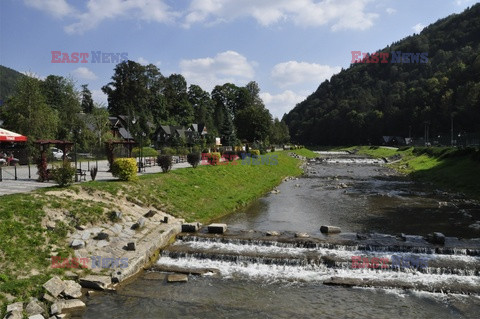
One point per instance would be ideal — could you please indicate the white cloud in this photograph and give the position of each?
(228, 66)
(84, 73)
(99, 10)
(57, 8)
(99, 97)
(282, 103)
(142, 61)
(391, 10)
(293, 73)
(418, 28)
(463, 2)
(341, 14)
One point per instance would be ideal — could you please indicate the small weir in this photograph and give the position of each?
(370, 262)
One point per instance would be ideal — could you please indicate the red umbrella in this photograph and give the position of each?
(8, 136)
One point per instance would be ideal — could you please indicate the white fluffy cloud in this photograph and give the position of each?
(390, 10)
(99, 10)
(294, 73)
(57, 8)
(142, 61)
(228, 66)
(418, 28)
(340, 14)
(282, 103)
(99, 97)
(84, 73)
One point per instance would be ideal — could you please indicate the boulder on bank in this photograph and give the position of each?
(34, 307)
(96, 282)
(272, 233)
(64, 306)
(217, 228)
(177, 278)
(330, 229)
(436, 238)
(190, 227)
(54, 286)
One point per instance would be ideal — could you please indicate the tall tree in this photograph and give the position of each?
(61, 95)
(27, 112)
(87, 101)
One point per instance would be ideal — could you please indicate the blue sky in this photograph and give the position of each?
(288, 46)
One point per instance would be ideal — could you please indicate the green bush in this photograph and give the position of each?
(63, 175)
(193, 159)
(182, 151)
(255, 153)
(213, 158)
(146, 152)
(168, 151)
(125, 169)
(165, 162)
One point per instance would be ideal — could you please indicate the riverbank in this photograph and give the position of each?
(38, 225)
(452, 169)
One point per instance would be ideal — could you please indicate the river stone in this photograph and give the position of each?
(77, 244)
(95, 282)
(130, 246)
(330, 229)
(272, 233)
(17, 306)
(302, 235)
(102, 236)
(54, 286)
(436, 238)
(150, 213)
(38, 316)
(72, 289)
(34, 307)
(217, 228)
(177, 278)
(66, 306)
(189, 227)
(139, 224)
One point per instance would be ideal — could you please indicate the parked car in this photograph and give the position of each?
(57, 153)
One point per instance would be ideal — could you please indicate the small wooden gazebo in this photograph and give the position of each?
(44, 145)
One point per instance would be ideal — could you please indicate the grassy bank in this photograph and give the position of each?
(206, 192)
(452, 169)
(200, 194)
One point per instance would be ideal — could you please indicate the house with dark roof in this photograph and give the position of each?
(167, 135)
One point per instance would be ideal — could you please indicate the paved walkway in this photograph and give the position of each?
(26, 183)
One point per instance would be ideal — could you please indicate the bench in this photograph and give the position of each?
(81, 173)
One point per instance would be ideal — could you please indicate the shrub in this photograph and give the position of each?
(165, 162)
(168, 151)
(193, 159)
(213, 158)
(63, 175)
(182, 151)
(146, 152)
(272, 149)
(125, 169)
(255, 153)
(93, 172)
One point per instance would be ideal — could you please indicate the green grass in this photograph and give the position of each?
(200, 194)
(305, 152)
(206, 192)
(452, 169)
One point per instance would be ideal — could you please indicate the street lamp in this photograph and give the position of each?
(75, 137)
(134, 120)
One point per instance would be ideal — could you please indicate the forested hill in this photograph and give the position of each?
(368, 100)
(8, 81)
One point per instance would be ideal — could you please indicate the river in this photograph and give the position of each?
(248, 275)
